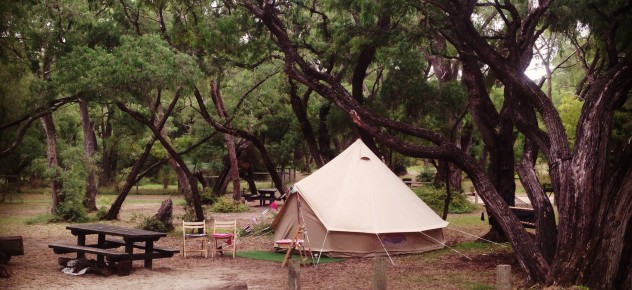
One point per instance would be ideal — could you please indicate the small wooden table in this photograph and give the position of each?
(132, 238)
(267, 194)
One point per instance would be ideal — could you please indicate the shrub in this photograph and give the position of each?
(435, 199)
(400, 169)
(103, 210)
(153, 224)
(189, 215)
(226, 205)
(207, 196)
(426, 174)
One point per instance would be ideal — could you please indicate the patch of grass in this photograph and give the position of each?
(40, 219)
(147, 189)
(482, 287)
(278, 257)
(468, 221)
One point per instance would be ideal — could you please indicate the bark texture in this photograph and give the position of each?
(228, 138)
(51, 158)
(89, 142)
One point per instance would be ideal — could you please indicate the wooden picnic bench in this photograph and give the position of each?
(105, 247)
(266, 194)
(525, 215)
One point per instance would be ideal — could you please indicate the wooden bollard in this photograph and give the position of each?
(294, 275)
(379, 273)
(503, 277)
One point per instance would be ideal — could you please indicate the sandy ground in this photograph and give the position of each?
(38, 268)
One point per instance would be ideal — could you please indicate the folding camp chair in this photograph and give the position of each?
(194, 231)
(224, 233)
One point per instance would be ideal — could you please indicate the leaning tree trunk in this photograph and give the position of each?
(53, 164)
(299, 106)
(184, 186)
(230, 142)
(267, 160)
(195, 193)
(131, 180)
(324, 138)
(89, 141)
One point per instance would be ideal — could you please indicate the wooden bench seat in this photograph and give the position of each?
(60, 248)
(165, 252)
(525, 215)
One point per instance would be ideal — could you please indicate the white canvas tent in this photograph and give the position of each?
(355, 206)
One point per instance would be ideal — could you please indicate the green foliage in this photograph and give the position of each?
(153, 224)
(426, 174)
(207, 196)
(225, 205)
(103, 210)
(435, 199)
(73, 178)
(570, 109)
(189, 215)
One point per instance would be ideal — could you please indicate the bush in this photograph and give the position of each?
(226, 205)
(70, 212)
(189, 215)
(435, 199)
(400, 169)
(153, 224)
(150, 223)
(207, 196)
(103, 210)
(72, 177)
(426, 174)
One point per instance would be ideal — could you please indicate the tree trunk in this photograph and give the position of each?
(131, 180)
(299, 106)
(184, 186)
(89, 141)
(546, 230)
(324, 139)
(109, 152)
(267, 160)
(230, 143)
(53, 164)
(192, 183)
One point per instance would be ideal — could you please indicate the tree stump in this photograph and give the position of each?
(165, 213)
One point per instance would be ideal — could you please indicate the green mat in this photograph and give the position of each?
(278, 257)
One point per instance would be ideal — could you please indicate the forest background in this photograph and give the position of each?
(107, 94)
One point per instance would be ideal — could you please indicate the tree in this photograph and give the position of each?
(594, 213)
(89, 141)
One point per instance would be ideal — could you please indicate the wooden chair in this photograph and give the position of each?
(296, 243)
(224, 233)
(194, 231)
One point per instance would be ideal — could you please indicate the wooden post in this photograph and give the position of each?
(294, 275)
(379, 273)
(503, 277)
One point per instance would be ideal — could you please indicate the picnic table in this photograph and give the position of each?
(110, 237)
(266, 194)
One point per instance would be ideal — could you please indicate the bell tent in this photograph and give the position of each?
(355, 206)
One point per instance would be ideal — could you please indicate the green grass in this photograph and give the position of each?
(468, 221)
(278, 257)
